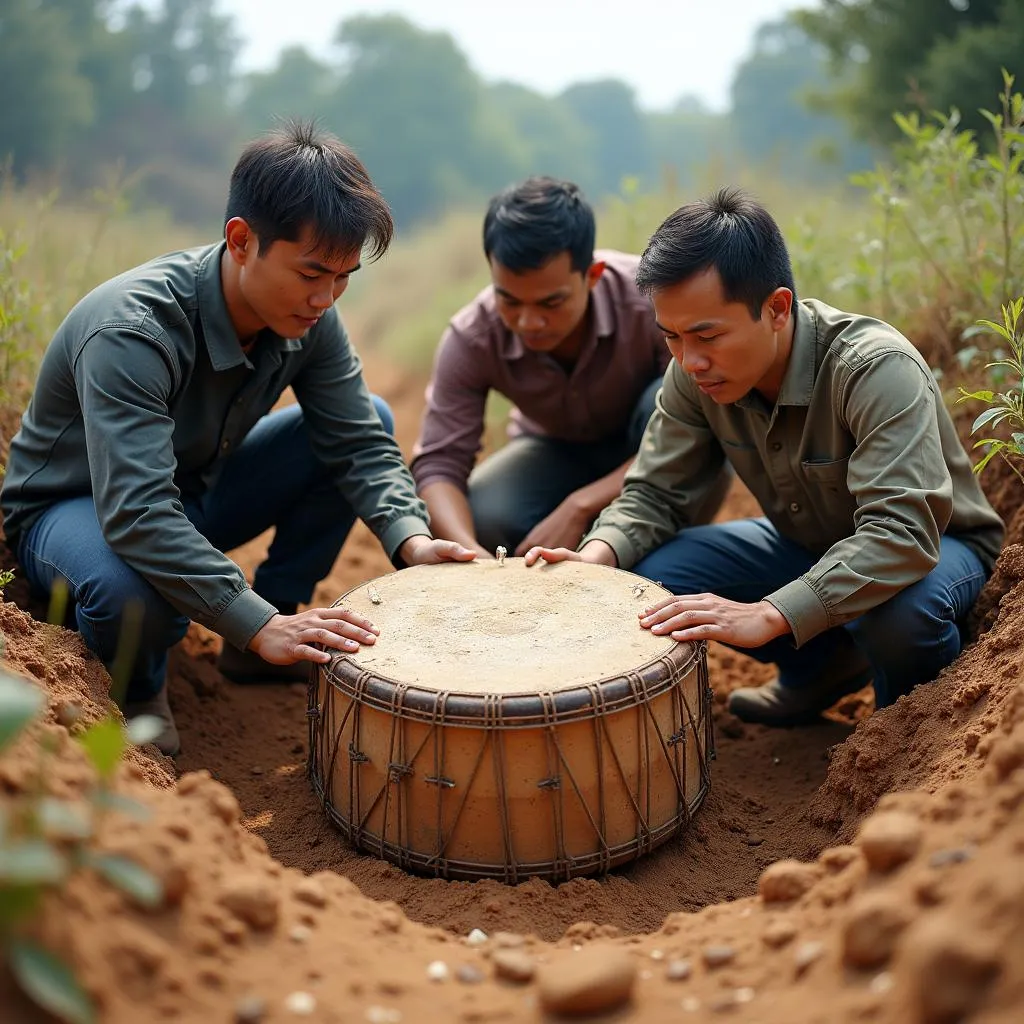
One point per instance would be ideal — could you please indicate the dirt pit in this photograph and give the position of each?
(894, 844)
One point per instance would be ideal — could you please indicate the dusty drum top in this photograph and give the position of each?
(484, 627)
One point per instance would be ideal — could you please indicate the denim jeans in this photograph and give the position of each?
(904, 641)
(516, 487)
(272, 480)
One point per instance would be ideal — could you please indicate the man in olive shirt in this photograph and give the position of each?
(876, 537)
(563, 333)
(149, 446)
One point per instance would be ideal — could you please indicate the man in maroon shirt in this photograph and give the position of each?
(563, 333)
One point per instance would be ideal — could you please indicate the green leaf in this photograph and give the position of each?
(992, 452)
(17, 902)
(20, 702)
(1018, 443)
(981, 396)
(49, 983)
(105, 743)
(130, 878)
(144, 729)
(32, 862)
(990, 416)
(63, 819)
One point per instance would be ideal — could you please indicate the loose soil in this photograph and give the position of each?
(907, 903)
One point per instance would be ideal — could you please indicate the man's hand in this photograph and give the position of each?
(420, 550)
(707, 617)
(562, 528)
(286, 639)
(597, 552)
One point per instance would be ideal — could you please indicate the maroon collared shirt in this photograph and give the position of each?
(622, 353)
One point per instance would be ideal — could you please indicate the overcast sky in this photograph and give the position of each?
(663, 48)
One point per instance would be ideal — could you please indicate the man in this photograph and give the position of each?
(876, 537)
(149, 446)
(562, 333)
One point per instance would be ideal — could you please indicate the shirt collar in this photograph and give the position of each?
(798, 381)
(218, 331)
(602, 324)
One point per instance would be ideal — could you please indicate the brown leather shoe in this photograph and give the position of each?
(248, 668)
(168, 742)
(778, 705)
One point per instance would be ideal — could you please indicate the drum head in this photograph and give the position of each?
(480, 627)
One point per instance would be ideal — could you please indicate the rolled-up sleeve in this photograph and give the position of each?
(678, 479)
(125, 381)
(453, 422)
(899, 479)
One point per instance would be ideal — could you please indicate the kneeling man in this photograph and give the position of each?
(876, 537)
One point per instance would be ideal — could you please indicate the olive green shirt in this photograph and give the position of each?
(857, 461)
(144, 392)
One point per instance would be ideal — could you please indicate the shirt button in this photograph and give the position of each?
(794, 506)
(776, 446)
(225, 445)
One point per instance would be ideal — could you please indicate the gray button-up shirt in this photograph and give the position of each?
(857, 461)
(142, 394)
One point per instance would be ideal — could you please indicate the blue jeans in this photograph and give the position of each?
(906, 640)
(526, 480)
(272, 479)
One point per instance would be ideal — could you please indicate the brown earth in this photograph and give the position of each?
(909, 905)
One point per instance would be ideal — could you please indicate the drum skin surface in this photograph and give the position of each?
(510, 722)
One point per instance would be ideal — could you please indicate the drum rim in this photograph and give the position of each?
(515, 709)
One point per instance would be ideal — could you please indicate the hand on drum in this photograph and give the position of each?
(708, 617)
(420, 550)
(563, 528)
(286, 639)
(597, 552)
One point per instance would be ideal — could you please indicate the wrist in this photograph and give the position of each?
(778, 622)
(599, 552)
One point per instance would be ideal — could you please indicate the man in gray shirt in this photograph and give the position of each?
(149, 446)
(563, 333)
(876, 537)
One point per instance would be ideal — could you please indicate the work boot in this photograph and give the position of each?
(168, 741)
(248, 668)
(778, 705)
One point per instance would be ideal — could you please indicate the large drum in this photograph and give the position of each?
(510, 722)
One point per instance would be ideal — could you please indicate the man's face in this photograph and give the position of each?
(292, 284)
(719, 344)
(544, 307)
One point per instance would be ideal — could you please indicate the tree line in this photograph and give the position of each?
(154, 91)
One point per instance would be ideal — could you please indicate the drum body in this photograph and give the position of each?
(510, 722)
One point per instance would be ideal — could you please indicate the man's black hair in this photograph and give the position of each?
(297, 177)
(528, 224)
(728, 231)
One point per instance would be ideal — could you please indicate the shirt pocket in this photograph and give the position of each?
(828, 493)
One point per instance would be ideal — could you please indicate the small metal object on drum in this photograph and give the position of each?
(500, 556)
(374, 594)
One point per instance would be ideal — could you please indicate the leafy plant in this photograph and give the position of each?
(1004, 407)
(45, 840)
(949, 218)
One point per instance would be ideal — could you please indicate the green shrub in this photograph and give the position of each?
(45, 840)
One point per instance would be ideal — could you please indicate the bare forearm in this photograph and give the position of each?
(450, 515)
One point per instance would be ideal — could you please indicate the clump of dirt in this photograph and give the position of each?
(865, 868)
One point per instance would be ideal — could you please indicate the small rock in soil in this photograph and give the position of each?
(302, 1004)
(778, 933)
(250, 1010)
(678, 970)
(786, 880)
(950, 971)
(437, 970)
(513, 965)
(942, 858)
(806, 954)
(252, 899)
(889, 839)
(469, 974)
(871, 929)
(310, 891)
(592, 981)
(718, 956)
